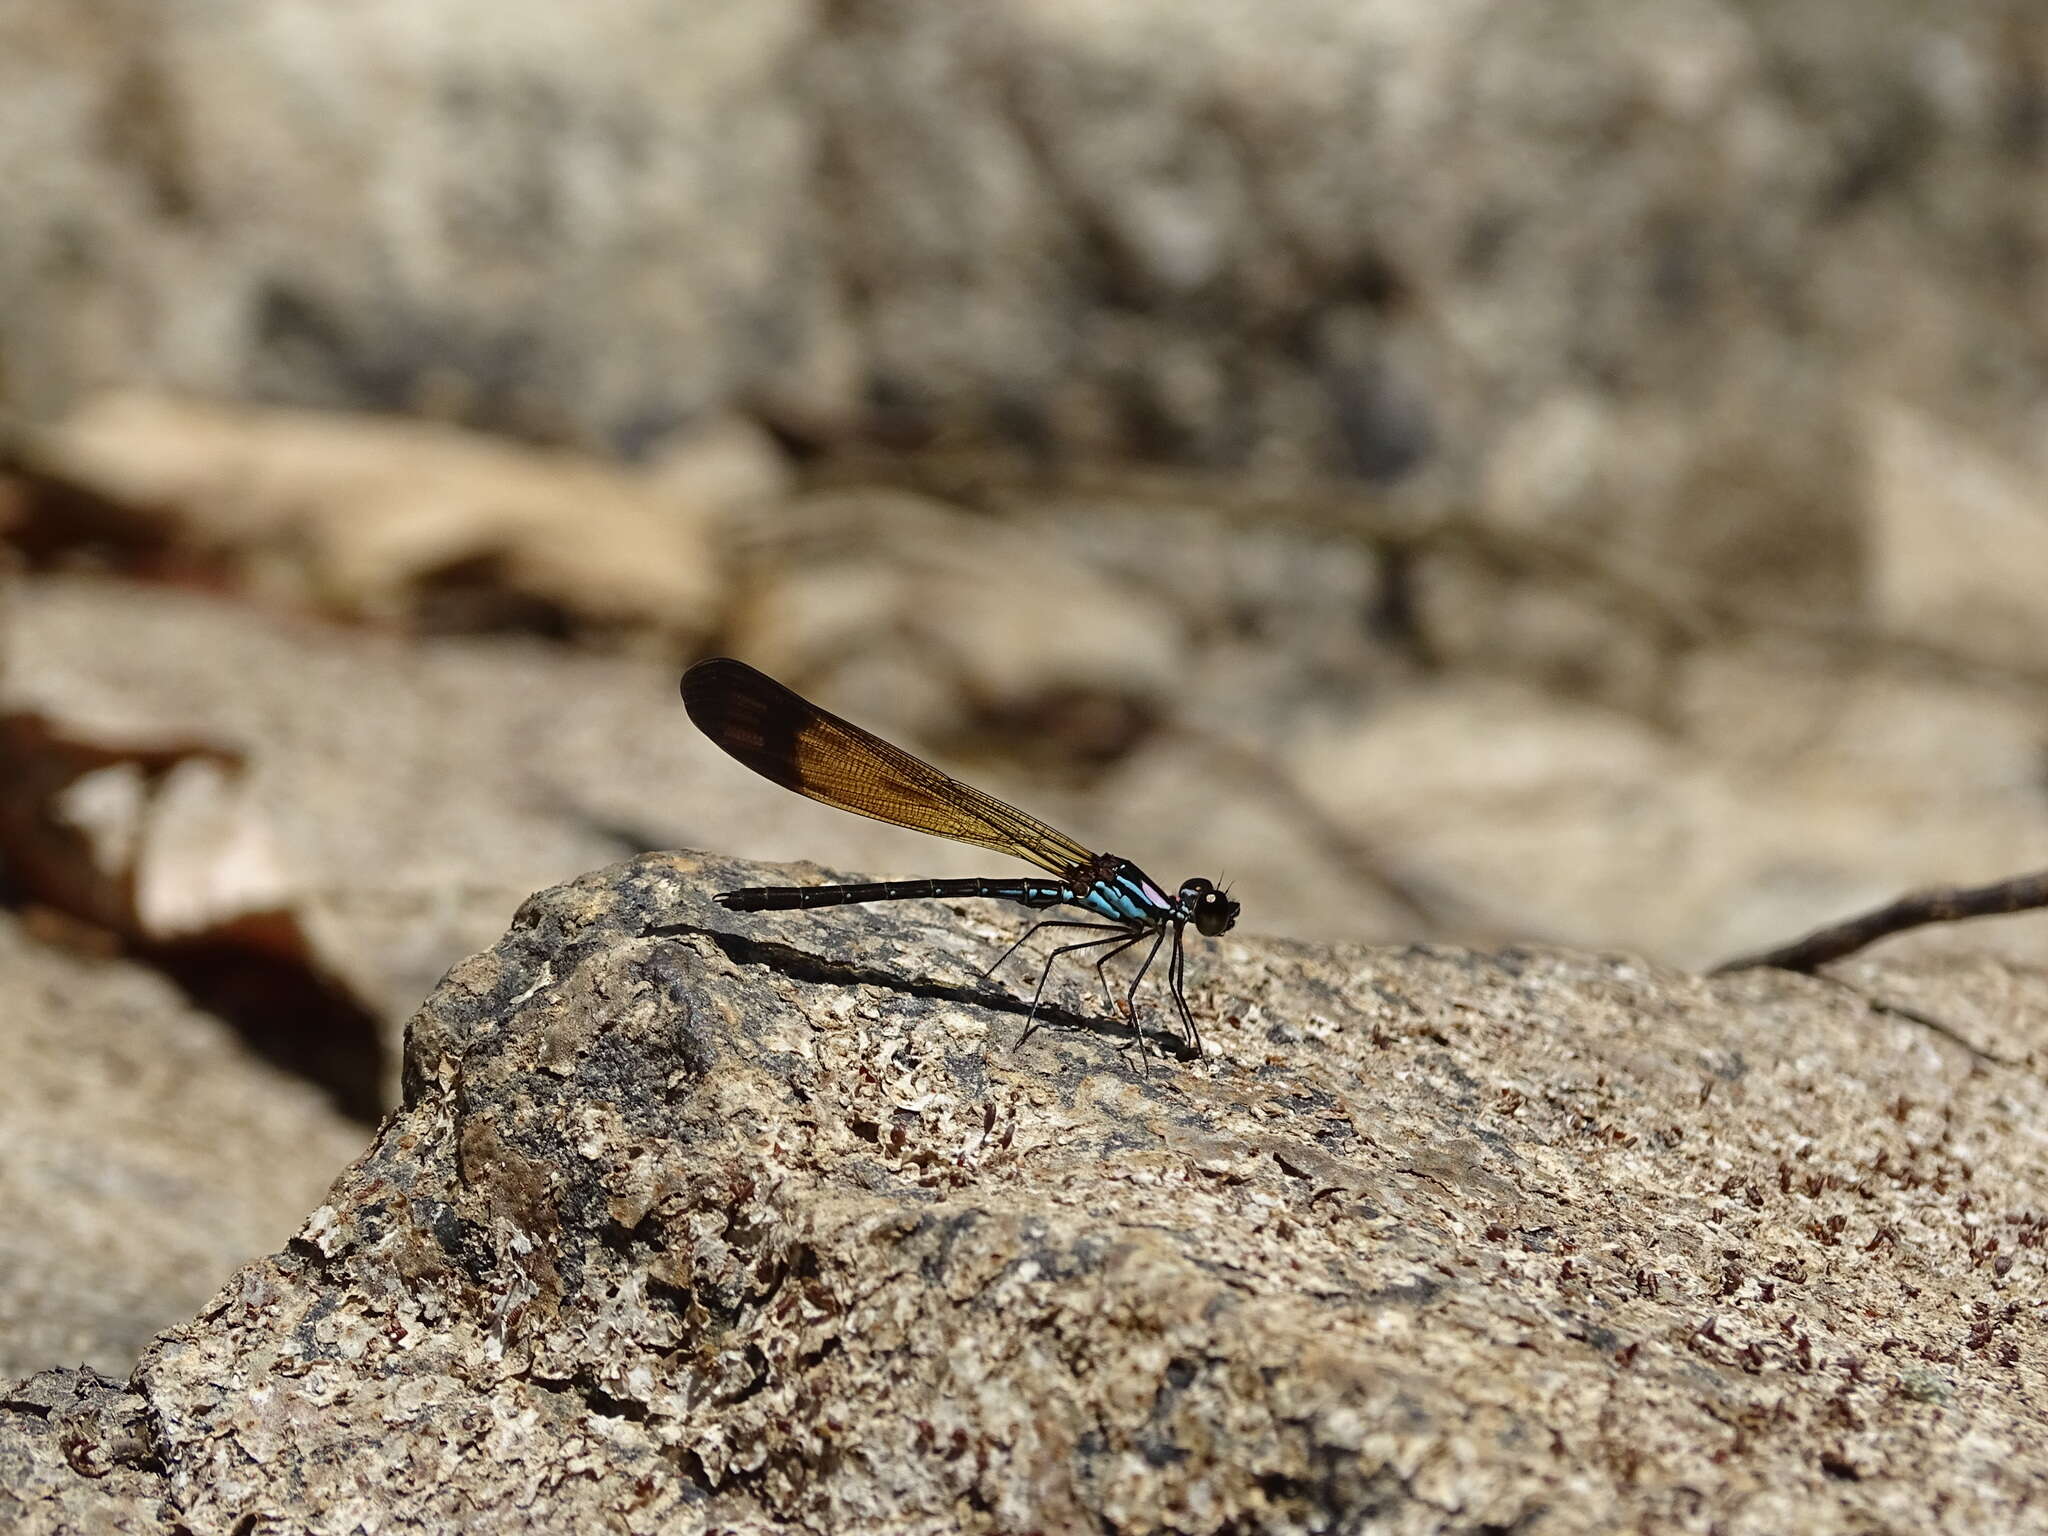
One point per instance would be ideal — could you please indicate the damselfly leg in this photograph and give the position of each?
(1176, 983)
(1119, 937)
(1047, 922)
(1102, 975)
(1131, 992)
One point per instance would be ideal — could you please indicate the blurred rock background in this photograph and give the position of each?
(1483, 471)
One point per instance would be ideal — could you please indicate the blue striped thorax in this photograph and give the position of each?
(1120, 891)
(1123, 894)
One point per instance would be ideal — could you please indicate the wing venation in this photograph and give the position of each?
(785, 738)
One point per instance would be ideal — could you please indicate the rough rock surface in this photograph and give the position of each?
(75, 1457)
(143, 1155)
(697, 1222)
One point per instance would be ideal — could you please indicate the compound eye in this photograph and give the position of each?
(1214, 913)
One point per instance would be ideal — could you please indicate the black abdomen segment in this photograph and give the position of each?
(784, 898)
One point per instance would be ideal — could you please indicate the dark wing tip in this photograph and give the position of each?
(751, 717)
(712, 672)
(712, 689)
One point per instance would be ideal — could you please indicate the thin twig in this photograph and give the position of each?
(2022, 893)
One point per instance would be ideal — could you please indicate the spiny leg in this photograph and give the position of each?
(1178, 986)
(1109, 997)
(1031, 1021)
(1131, 992)
(1044, 922)
(1176, 982)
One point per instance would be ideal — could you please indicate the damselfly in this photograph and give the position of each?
(790, 740)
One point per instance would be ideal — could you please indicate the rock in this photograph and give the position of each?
(565, 227)
(143, 1155)
(1798, 791)
(696, 1222)
(75, 1456)
(1414, 245)
(726, 464)
(915, 615)
(1958, 538)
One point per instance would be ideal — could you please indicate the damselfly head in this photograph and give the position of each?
(1210, 910)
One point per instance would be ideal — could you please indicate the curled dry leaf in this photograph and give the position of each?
(156, 840)
(163, 845)
(402, 520)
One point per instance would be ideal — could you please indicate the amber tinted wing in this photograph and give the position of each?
(785, 737)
